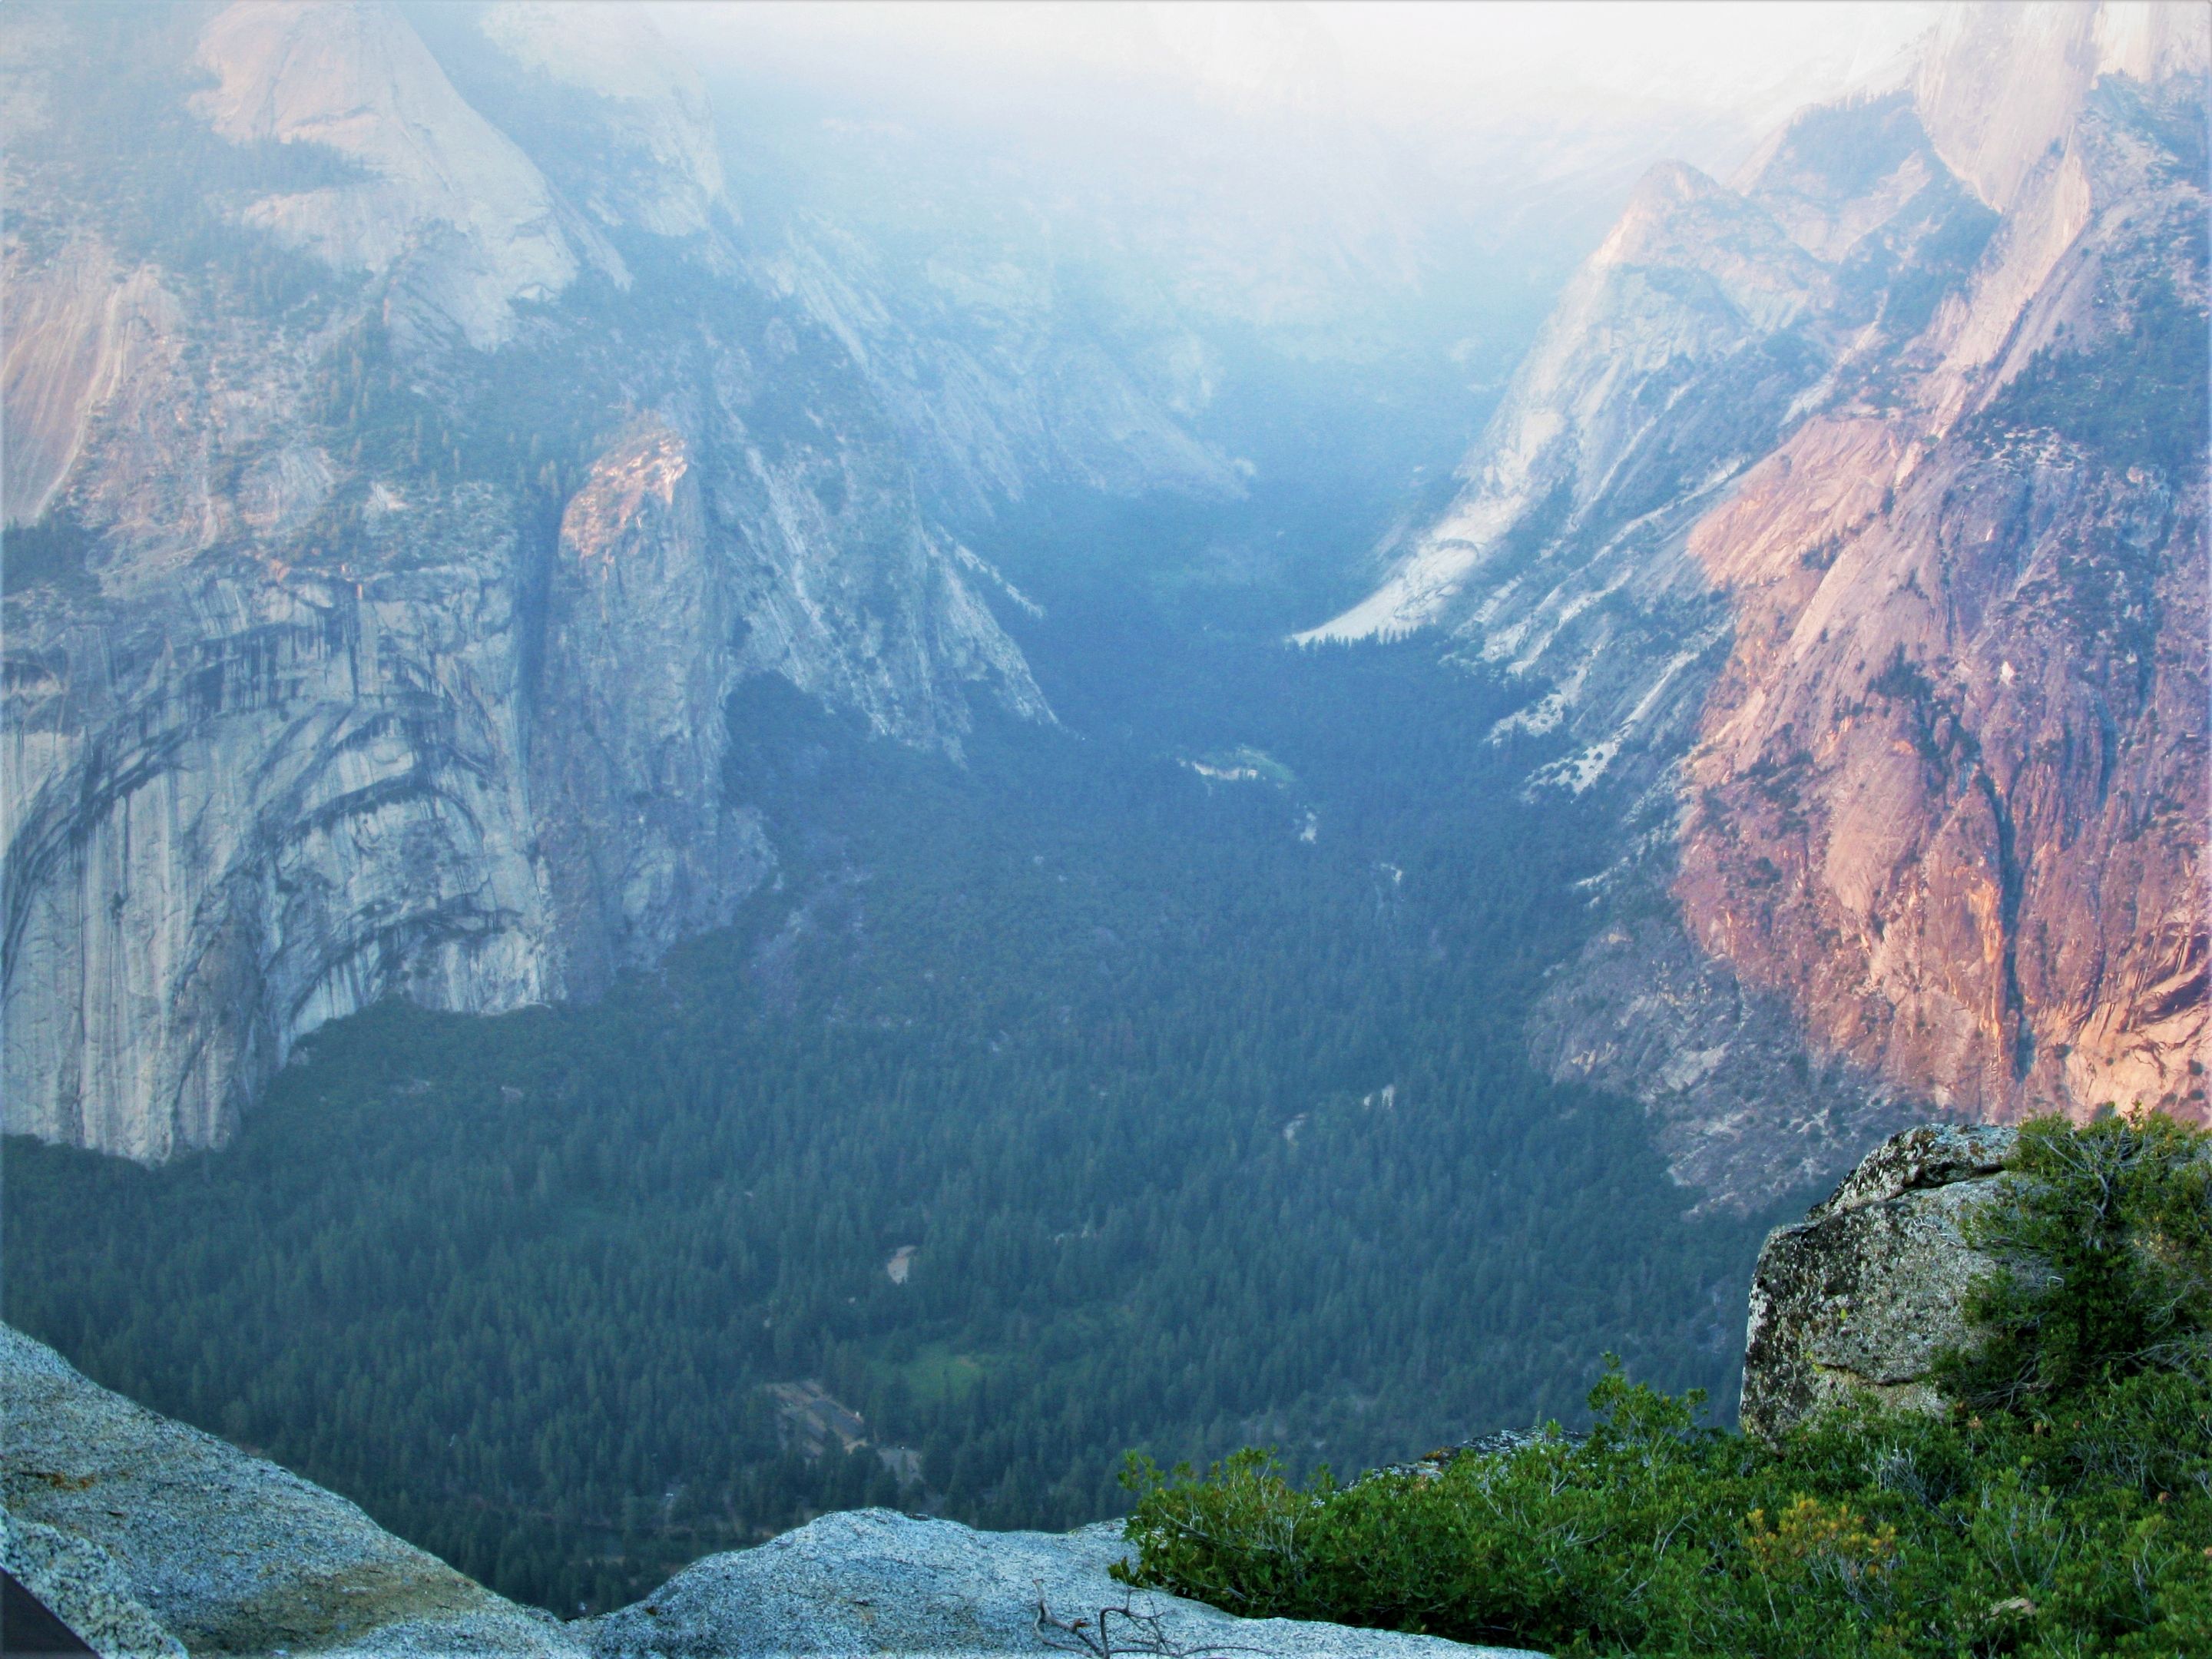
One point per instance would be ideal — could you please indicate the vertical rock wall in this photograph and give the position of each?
(374, 639)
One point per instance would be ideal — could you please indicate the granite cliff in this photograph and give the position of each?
(1849, 521)
(413, 441)
(409, 450)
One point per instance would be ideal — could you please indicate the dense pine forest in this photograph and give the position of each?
(1153, 1080)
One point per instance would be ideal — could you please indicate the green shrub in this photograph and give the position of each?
(2065, 1507)
(2104, 1242)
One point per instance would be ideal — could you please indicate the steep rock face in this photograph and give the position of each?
(239, 806)
(639, 845)
(346, 659)
(1864, 1294)
(993, 374)
(1700, 332)
(78, 330)
(661, 168)
(1951, 785)
(1872, 583)
(990, 387)
(2046, 56)
(1744, 1109)
(1682, 304)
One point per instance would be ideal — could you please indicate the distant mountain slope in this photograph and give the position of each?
(1853, 519)
(420, 417)
(391, 518)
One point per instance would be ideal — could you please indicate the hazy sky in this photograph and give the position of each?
(1514, 117)
(1719, 54)
(1387, 61)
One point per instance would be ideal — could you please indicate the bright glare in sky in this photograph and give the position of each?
(1716, 54)
(1387, 61)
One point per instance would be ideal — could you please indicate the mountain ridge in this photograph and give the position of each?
(424, 363)
(311, 698)
(1734, 466)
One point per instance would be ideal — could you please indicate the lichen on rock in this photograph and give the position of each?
(1865, 1293)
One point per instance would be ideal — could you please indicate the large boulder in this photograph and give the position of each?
(1864, 1294)
(874, 1582)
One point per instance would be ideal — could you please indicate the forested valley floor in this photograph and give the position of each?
(1155, 1080)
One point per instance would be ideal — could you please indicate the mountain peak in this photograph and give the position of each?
(446, 193)
(2000, 84)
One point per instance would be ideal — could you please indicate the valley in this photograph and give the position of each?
(750, 774)
(1189, 1119)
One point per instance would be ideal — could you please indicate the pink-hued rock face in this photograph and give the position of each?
(1960, 830)
(1901, 674)
(1949, 794)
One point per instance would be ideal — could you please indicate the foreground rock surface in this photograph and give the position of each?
(1870, 1287)
(150, 1539)
(872, 1581)
(147, 1537)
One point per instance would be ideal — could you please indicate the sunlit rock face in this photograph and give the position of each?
(381, 563)
(1837, 522)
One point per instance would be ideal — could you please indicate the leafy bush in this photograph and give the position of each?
(2065, 1507)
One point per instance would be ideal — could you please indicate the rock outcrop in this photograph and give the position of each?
(871, 1581)
(1844, 525)
(1864, 1294)
(151, 1541)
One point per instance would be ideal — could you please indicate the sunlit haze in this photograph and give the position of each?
(795, 789)
(1396, 63)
